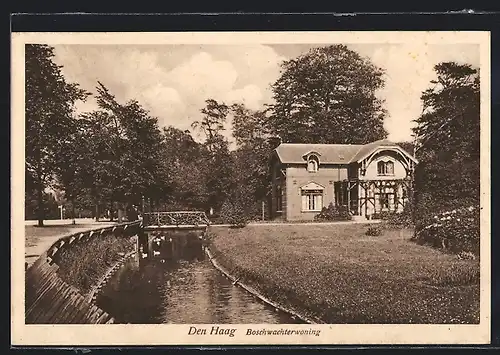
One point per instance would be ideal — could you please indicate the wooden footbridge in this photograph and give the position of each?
(195, 220)
(167, 234)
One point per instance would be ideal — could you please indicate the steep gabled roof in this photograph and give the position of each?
(369, 148)
(293, 153)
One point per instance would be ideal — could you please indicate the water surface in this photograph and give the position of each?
(182, 292)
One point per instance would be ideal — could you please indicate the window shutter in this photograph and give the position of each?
(304, 202)
(318, 202)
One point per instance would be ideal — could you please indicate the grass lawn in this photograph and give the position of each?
(339, 275)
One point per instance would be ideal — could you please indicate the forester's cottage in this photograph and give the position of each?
(370, 179)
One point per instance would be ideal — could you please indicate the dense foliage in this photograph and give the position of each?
(49, 122)
(234, 213)
(455, 230)
(324, 90)
(374, 231)
(333, 213)
(448, 174)
(403, 219)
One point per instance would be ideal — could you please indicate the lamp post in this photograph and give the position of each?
(61, 209)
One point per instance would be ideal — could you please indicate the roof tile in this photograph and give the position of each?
(294, 153)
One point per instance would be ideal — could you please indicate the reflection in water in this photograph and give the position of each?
(181, 292)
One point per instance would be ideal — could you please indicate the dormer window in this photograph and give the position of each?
(385, 168)
(312, 163)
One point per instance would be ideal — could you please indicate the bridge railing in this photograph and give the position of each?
(177, 219)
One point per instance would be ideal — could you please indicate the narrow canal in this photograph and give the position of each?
(188, 290)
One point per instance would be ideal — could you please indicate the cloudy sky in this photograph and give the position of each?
(173, 81)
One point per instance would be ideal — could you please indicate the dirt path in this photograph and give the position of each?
(39, 239)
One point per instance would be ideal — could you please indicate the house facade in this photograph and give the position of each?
(367, 179)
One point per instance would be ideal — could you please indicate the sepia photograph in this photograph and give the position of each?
(247, 188)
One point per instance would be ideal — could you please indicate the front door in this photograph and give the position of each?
(384, 201)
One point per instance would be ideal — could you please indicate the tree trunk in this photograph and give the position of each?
(73, 210)
(40, 210)
(111, 211)
(97, 210)
(120, 213)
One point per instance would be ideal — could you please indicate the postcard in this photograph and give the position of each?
(222, 188)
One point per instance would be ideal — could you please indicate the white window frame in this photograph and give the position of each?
(311, 197)
(315, 160)
(385, 169)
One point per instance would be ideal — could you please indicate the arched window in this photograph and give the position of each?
(312, 163)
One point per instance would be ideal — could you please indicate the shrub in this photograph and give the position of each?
(402, 219)
(466, 255)
(333, 213)
(234, 214)
(374, 231)
(457, 230)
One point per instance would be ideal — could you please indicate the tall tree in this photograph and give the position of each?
(328, 95)
(250, 173)
(185, 161)
(72, 164)
(212, 123)
(49, 108)
(218, 159)
(135, 147)
(248, 126)
(447, 134)
(97, 168)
